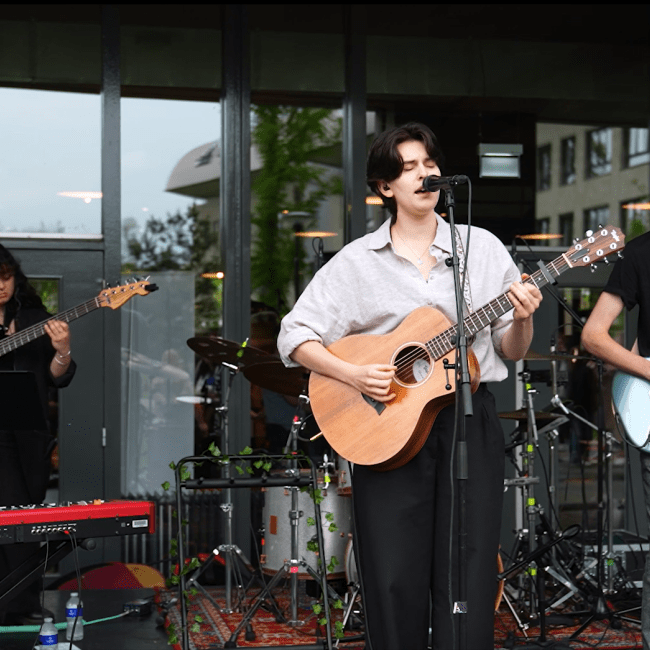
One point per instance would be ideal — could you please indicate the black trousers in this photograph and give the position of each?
(402, 537)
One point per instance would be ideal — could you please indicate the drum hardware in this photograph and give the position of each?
(531, 586)
(232, 357)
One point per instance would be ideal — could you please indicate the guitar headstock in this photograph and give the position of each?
(596, 246)
(115, 297)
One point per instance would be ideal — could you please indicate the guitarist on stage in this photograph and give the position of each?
(628, 286)
(25, 455)
(403, 517)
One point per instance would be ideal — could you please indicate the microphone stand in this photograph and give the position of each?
(464, 401)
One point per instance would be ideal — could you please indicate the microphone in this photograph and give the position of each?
(435, 183)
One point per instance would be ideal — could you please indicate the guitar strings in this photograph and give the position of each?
(406, 362)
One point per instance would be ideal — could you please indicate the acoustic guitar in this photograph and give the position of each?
(113, 297)
(387, 435)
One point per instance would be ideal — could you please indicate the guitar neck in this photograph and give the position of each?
(445, 342)
(36, 331)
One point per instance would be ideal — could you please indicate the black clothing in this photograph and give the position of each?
(402, 514)
(25, 454)
(630, 280)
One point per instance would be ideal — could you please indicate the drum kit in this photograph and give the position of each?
(287, 525)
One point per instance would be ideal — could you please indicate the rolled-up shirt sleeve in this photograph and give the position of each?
(314, 317)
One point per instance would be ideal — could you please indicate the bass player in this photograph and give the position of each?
(403, 517)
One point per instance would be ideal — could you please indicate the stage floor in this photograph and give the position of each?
(126, 633)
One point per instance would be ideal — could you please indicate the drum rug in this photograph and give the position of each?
(214, 627)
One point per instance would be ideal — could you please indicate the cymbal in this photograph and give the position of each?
(274, 375)
(212, 348)
(522, 414)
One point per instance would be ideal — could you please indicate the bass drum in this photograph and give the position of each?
(277, 529)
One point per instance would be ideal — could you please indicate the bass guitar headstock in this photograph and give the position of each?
(115, 297)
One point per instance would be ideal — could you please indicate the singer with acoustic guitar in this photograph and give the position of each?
(404, 510)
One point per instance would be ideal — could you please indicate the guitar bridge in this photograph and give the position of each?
(378, 406)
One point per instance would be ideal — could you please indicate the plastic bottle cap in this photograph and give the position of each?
(74, 593)
(47, 620)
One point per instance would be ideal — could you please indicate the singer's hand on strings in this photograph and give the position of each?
(375, 380)
(525, 297)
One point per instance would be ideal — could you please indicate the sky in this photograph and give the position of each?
(51, 142)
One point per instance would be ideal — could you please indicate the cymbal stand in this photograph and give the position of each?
(295, 514)
(231, 552)
(536, 569)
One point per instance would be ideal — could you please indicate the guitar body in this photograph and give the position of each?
(631, 402)
(387, 435)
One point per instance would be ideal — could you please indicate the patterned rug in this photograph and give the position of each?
(215, 628)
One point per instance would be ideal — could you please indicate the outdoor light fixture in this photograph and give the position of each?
(374, 200)
(645, 205)
(218, 275)
(86, 196)
(499, 160)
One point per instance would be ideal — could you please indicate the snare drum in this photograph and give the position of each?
(277, 528)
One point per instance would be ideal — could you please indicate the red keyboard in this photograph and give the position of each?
(83, 519)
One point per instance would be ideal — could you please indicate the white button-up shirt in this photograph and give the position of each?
(366, 288)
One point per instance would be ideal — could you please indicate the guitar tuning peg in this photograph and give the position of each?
(592, 267)
(589, 233)
(605, 260)
(576, 240)
(620, 255)
(600, 226)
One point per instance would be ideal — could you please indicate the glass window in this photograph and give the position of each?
(566, 228)
(568, 161)
(544, 167)
(543, 227)
(599, 152)
(51, 179)
(637, 147)
(595, 217)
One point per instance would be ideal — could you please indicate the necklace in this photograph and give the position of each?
(418, 257)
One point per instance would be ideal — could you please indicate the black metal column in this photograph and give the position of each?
(354, 122)
(111, 225)
(235, 231)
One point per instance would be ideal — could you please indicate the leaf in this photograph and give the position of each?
(165, 486)
(311, 521)
(214, 450)
(246, 451)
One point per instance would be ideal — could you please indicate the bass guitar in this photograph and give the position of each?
(631, 402)
(387, 435)
(113, 297)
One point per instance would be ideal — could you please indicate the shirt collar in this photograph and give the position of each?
(381, 237)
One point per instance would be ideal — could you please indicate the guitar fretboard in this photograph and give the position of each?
(445, 342)
(35, 331)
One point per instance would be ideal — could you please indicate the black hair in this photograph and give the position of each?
(385, 163)
(24, 294)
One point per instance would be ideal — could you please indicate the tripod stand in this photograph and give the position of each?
(541, 561)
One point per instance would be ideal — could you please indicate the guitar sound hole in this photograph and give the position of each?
(413, 365)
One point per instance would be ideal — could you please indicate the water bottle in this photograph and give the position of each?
(48, 637)
(74, 610)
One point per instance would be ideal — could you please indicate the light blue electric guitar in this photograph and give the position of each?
(631, 401)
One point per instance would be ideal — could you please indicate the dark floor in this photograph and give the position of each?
(125, 633)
